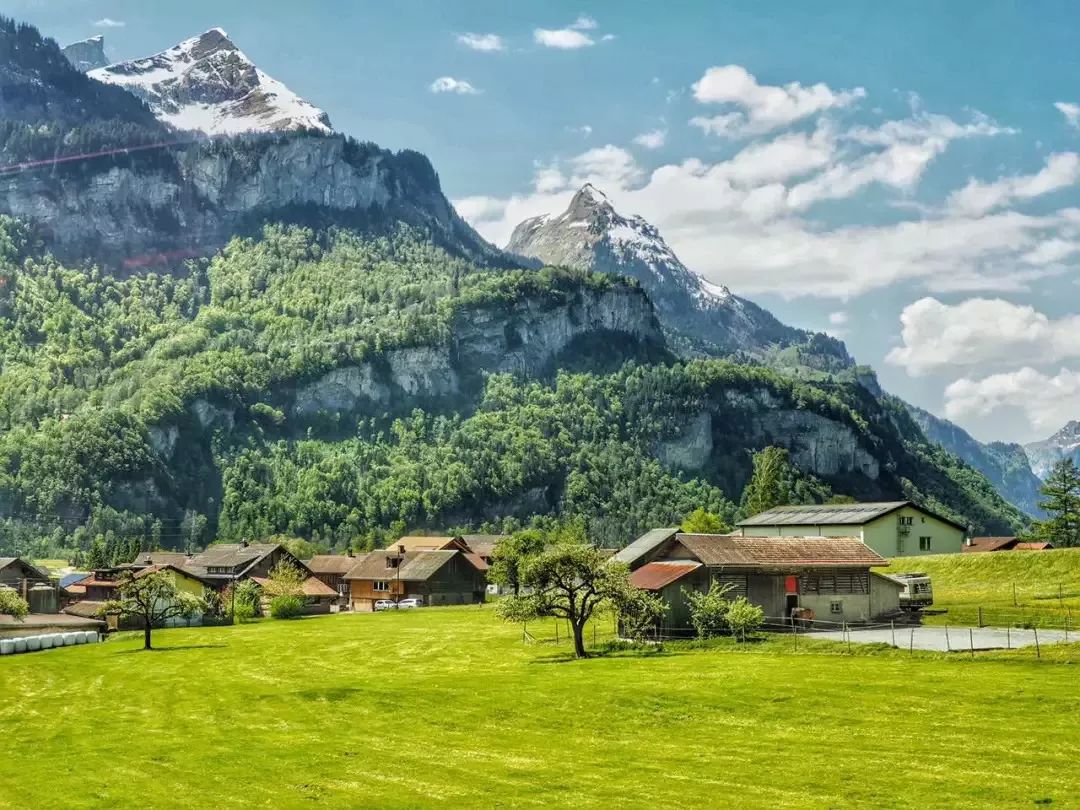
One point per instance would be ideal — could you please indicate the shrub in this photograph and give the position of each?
(743, 618)
(12, 604)
(244, 602)
(286, 607)
(708, 611)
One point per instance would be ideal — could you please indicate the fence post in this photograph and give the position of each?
(524, 632)
(981, 617)
(1008, 637)
(847, 635)
(911, 642)
(556, 631)
(892, 626)
(948, 645)
(1015, 603)
(971, 641)
(1066, 629)
(1038, 652)
(795, 630)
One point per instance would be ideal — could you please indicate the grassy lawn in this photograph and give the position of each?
(1046, 585)
(447, 708)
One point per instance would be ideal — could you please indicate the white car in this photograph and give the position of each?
(386, 604)
(411, 602)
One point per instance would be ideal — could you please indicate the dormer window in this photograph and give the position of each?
(393, 562)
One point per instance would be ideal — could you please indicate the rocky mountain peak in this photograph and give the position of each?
(1063, 444)
(87, 55)
(207, 84)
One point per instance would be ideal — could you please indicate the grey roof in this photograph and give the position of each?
(848, 514)
(333, 563)
(853, 514)
(644, 545)
(417, 566)
(26, 566)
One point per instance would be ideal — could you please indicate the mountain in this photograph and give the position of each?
(1063, 444)
(590, 234)
(1005, 465)
(102, 180)
(87, 55)
(207, 84)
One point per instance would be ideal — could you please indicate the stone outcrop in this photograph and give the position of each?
(692, 448)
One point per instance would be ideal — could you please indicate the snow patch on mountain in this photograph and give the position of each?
(207, 84)
(1063, 444)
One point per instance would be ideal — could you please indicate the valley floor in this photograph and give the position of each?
(448, 708)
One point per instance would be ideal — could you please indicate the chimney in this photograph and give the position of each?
(401, 550)
(244, 543)
(349, 553)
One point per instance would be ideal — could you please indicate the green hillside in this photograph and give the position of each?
(387, 710)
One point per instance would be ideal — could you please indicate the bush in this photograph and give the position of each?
(12, 604)
(244, 603)
(286, 607)
(743, 618)
(708, 611)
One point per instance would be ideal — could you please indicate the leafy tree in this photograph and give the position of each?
(1061, 491)
(510, 554)
(708, 610)
(701, 522)
(767, 487)
(285, 588)
(242, 600)
(569, 580)
(153, 598)
(11, 604)
(743, 617)
(640, 613)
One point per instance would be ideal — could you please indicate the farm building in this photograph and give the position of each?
(437, 577)
(830, 576)
(31, 583)
(330, 570)
(984, 544)
(892, 528)
(102, 585)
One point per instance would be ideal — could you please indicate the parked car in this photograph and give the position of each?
(411, 602)
(386, 604)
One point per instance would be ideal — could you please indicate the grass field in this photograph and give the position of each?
(1040, 587)
(447, 708)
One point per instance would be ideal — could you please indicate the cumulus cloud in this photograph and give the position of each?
(651, 140)
(448, 84)
(108, 22)
(1048, 401)
(1061, 171)
(571, 37)
(1071, 112)
(981, 333)
(763, 107)
(482, 42)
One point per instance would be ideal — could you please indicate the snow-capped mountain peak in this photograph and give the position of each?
(206, 83)
(1063, 444)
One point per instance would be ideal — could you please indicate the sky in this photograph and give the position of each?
(905, 176)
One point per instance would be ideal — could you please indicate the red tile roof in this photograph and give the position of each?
(1035, 546)
(657, 575)
(990, 543)
(771, 552)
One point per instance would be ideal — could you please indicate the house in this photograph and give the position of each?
(103, 586)
(330, 570)
(892, 528)
(830, 576)
(483, 545)
(983, 544)
(436, 576)
(31, 583)
(444, 543)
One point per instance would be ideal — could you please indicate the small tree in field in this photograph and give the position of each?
(640, 612)
(568, 580)
(11, 604)
(153, 598)
(743, 618)
(510, 553)
(285, 588)
(708, 611)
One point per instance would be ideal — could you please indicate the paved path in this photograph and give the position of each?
(957, 639)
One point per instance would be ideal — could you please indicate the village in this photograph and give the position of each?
(805, 568)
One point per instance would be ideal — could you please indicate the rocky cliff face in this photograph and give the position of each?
(87, 55)
(526, 337)
(157, 208)
(1063, 444)
(207, 84)
(590, 234)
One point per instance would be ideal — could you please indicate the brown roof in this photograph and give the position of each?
(86, 609)
(177, 558)
(418, 543)
(332, 563)
(311, 586)
(772, 552)
(1041, 545)
(483, 544)
(477, 561)
(416, 566)
(990, 543)
(656, 575)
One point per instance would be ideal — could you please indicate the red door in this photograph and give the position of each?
(791, 585)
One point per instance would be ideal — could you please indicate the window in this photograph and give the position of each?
(393, 562)
(906, 521)
(381, 586)
(924, 544)
(836, 606)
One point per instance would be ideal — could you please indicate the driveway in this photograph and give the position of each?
(953, 639)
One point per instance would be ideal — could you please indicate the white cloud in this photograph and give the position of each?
(107, 22)
(448, 84)
(1048, 401)
(764, 107)
(1061, 171)
(651, 140)
(1070, 111)
(571, 37)
(584, 130)
(981, 333)
(482, 42)
(838, 318)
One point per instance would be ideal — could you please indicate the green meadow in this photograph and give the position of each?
(449, 708)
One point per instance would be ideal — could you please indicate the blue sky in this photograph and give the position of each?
(838, 202)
